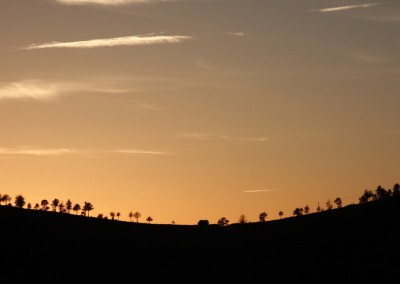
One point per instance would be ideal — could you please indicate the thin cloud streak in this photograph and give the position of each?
(32, 89)
(238, 34)
(47, 91)
(141, 152)
(112, 42)
(344, 8)
(108, 2)
(208, 136)
(260, 190)
(31, 151)
(36, 152)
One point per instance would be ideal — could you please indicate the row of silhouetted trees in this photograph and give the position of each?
(58, 206)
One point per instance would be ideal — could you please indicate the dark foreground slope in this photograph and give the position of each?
(354, 244)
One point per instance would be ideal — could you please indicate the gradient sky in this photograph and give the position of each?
(199, 109)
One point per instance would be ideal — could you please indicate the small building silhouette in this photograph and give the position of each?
(203, 222)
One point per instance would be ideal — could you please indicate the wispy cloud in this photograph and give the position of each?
(368, 58)
(209, 136)
(35, 152)
(344, 8)
(47, 90)
(239, 34)
(32, 89)
(112, 42)
(108, 2)
(259, 190)
(141, 152)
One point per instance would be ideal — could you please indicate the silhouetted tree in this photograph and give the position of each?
(87, 207)
(367, 196)
(319, 209)
(223, 221)
(44, 204)
(29, 206)
(298, 211)
(61, 207)
(149, 219)
(262, 216)
(36, 206)
(100, 216)
(173, 222)
(381, 193)
(55, 203)
(112, 215)
(76, 208)
(306, 209)
(329, 205)
(396, 190)
(19, 201)
(130, 216)
(6, 199)
(338, 202)
(242, 219)
(137, 215)
(118, 214)
(68, 205)
(280, 214)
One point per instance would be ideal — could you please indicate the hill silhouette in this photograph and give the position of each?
(354, 244)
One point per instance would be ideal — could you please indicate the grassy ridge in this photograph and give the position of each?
(355, 243)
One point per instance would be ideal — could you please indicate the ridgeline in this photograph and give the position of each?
(355, 244)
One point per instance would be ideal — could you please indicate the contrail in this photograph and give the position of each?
(110, 42)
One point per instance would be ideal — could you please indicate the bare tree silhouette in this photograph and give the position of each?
(329, 205)
(242, 219)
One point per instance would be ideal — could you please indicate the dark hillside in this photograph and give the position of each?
(354, 244)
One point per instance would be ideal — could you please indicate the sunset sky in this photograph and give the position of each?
(199, 109)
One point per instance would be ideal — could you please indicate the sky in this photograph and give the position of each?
(199, 109)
